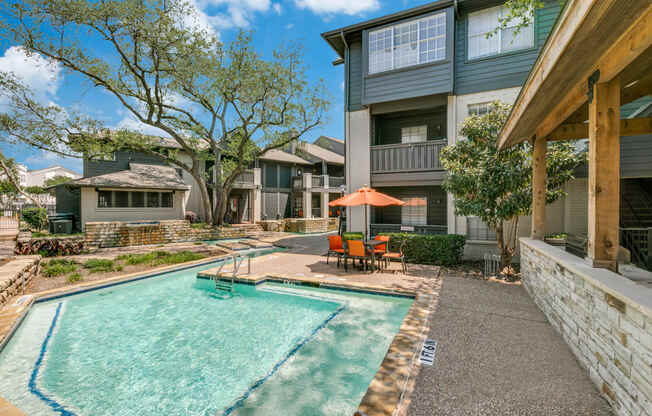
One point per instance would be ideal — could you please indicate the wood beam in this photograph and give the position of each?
(539, 188)
(628, 127)
(604, 175)
(636, 40)
(623, 51)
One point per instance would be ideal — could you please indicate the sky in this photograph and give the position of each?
(272, 22)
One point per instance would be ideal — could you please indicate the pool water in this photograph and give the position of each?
(171, 345)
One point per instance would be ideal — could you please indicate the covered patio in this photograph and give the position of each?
(597, 59)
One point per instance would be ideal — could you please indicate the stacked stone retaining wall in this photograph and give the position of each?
(15, 275)
(121, 234)
(301, 225)
(605, 319)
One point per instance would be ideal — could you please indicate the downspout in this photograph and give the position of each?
(347, 126)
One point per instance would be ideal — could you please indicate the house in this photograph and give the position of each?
(112, 188)
(411, 78)
(601, 308)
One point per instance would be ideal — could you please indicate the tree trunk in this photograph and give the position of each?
(505, 253)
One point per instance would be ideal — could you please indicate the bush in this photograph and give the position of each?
(75, 277)
(37, 218)
(59, 267)
(352, 236)
(439, 249)
(101, 266)
(157, 258)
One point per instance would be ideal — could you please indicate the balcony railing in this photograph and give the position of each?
(246, 178)
(335, 181)
(407, 157)
(400, 228)
(317, 181)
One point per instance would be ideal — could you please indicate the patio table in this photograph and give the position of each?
(370, 245)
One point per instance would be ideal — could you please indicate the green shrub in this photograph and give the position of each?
(58, 267)
(37, 218)
(75, 277)
(439, 249)
(352, 236)
(101, 266)
(157, 258)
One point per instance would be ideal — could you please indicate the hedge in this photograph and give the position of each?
(37, 218)
(352, 236)
(438, 249)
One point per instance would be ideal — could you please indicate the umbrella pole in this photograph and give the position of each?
(365, 222)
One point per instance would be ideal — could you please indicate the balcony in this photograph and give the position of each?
(407, 157)
(320, 182)
(248, 179)
(398, 228)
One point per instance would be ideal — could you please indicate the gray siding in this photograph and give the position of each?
(503, 71)
(387, 128)
(423, 80)
(354, 74)
(121, 162)
(635, 158)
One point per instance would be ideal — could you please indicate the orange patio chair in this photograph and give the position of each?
(356, 250)
(387, 257)
(335, 247)
(381, 249)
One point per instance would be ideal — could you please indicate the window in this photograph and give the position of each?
(479, 109)
(407, 44)
(166, 199)
(121, 199)
(104, 199)
(505, 40)
(415, 211)
(286, 175)
(271, 178)
(414, 134)
(153, 200)
(138, 199)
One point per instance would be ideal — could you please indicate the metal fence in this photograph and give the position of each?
(335, 181)
(317, 181)
(416, 229)
(638, 242)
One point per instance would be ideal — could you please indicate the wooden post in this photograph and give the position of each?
(539, 145)
(604, 175)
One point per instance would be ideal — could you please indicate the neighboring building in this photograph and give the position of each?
(331, 143)
(108, 187)
(40, 176)
(411, 78)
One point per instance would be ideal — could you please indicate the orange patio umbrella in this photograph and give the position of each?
(365, 196)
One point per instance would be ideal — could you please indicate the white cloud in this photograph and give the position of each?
(338, 6)
(131, 123)
(235, 13)
(41, 75)
(277, 8)
(289, 26)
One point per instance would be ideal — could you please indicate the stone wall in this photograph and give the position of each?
(16, 274)
(301, 225)
(605, 319)
(121, 234)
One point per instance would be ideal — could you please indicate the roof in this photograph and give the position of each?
(138, 176)
(281, 156)
(319, 153)
(331, 143)
(334, 37)
(558, 84)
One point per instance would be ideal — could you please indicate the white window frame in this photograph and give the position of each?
(439, 53)
(499, 33)
(479, 109)
(112, 200)
(414, 134)
(409, 213)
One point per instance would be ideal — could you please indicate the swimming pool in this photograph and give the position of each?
(171, 345)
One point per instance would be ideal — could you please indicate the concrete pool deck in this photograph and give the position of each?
(496, 353)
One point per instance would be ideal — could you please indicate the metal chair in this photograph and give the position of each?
(387, 257)
(356, 250)
(335, 247)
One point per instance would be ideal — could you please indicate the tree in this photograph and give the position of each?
(222, 104)
(520, 13)
(57, 180)
(496, 186)
(10, 186)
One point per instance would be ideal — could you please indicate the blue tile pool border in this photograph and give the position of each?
(33, 388)
(240, 400)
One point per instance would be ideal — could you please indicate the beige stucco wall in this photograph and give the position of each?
(193, 198)
(358, 163)
(91, 213)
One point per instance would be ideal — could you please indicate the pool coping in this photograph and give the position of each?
(388, 392)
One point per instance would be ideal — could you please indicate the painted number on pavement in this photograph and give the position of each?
(428, 349)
